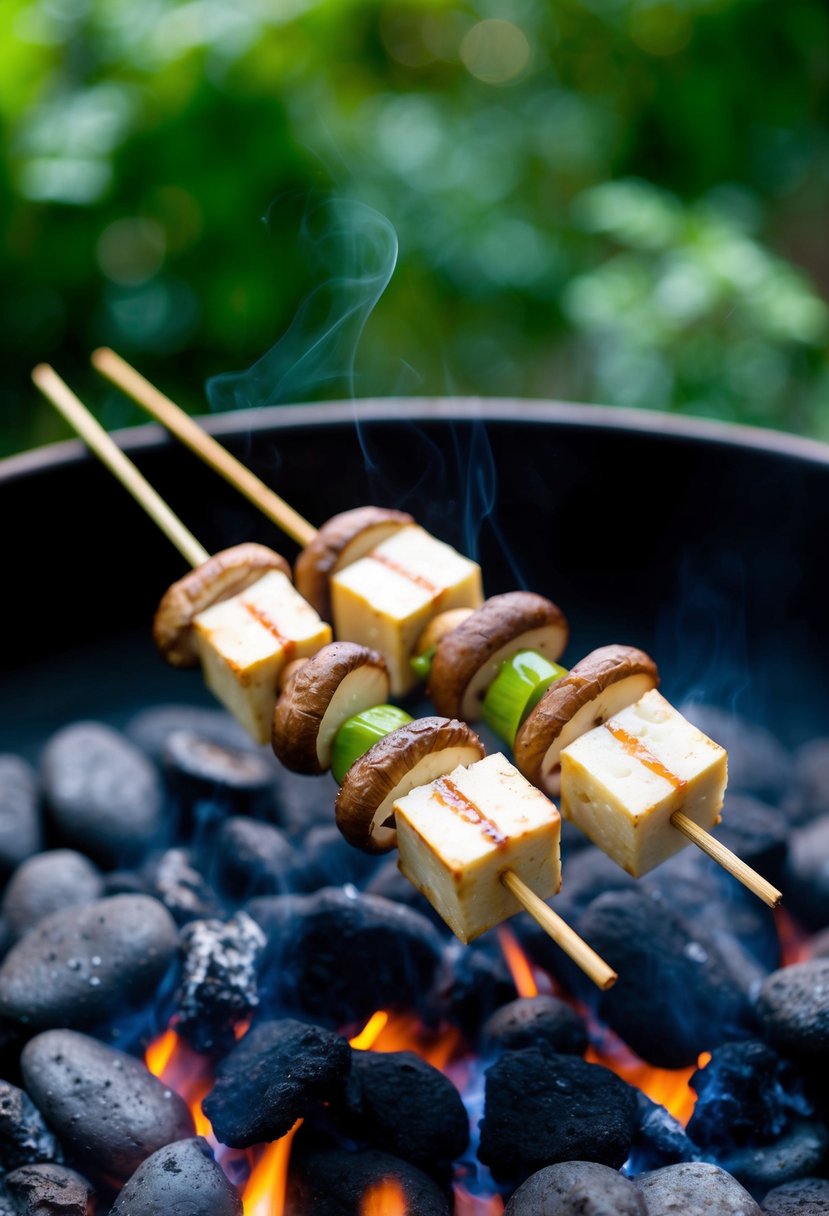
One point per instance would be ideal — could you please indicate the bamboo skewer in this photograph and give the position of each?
(728, 860)
(58, 392)
(180, 424)
(96, 438)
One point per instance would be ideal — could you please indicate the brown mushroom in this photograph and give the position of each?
(340, 680)
(343, 539)
(412, 755)
(600, 685)
(222, 576)
(468, 659)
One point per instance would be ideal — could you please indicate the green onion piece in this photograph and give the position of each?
(358, 734)
(518, 687)
(421, 664)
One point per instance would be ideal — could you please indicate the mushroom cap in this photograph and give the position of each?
(341, 540)
(412, 755)
(600, 685)
(340, 680)
(222, 576)
(468, 659)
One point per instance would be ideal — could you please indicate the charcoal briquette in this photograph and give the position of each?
(334, 1182)
(24, 1137)
(660, 1138)
(200, 770)
(151, 728)
(108, 1111)
(181, 1179)
(275, 1075)
(811, 780)
(218, 988)
(21, 831)
(250, 858)
(396, 1102)
(529, 1021)
(805, 1197)
(46, 883)
(303, 802)
(756, 832)
(330, 861)
(805, 882)
(104, 796)
(50, 1190)
(577, 1188)
(389, 883)
(174, 880)
(542, 1108)
(80, 966)
(795, 1154)
(474, 982)
(793, 1007)
(758, 763)
(695, 1188)
(746, 1095)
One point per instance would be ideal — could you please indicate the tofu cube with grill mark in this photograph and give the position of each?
(244, 642)
(622, 781)
(387, 598)
(459, 834)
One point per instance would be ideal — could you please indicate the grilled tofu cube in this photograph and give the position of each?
(244, 642)
(459, 834)
(622, 781)
(386, 599)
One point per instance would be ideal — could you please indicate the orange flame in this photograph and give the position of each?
(518, 963)
(186, 1072)
(667, 1086)
(477, 1205)
(368, 1036)
(265, 1189)
(384, 1198)
(794, 941)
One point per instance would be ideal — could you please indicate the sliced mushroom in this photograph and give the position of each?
(410, 756)
(222, 576)
(339, 681)
(440, 626)
(468, 659)
(600, 685)
(343, 539)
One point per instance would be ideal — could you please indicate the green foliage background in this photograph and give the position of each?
(602, 200)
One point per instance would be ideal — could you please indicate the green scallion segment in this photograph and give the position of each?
(358, 734)
(518, 687)
(421, 664)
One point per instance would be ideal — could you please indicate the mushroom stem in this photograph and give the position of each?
(728, 860)
(575, 947)
(58, 392)
(171, 416)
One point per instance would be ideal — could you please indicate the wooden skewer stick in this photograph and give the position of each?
(58, 392)
(728, 860)
(575, 947)
(171, 416)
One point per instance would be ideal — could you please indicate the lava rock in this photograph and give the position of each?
(80, 965)
(694, 1188)
(533, 1020)
(180, 1179)
(50, 1190)
(811, 779)
(250, 858)
(174, 880)
(334, 1182)
(757, 762)
(675, 997)
(577, 1188)
(794, 1155)
(338, 956)
(21, 832)
(806, 879)
(108, 1110)
(218, 986)
(747, 1095)
(398, 1103)
(104, 796)
(46, 883)
(24, 1137)
(806, 1197)
(756, 832)
(277, 1072)
(793, 1007)
(542, 1109)
(202, 771)
(150, 729)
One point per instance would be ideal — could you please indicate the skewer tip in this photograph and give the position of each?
(41, 372)
(100, 356)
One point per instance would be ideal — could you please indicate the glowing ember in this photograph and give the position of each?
(667, 1086)
(477, 1205)
(265, 1190)
(518, 963)
(170, 1059)
(160, 1052)
(794, 941)
(365, 1040)
(385, 1198)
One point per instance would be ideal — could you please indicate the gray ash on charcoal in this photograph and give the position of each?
(82, 967)
(24, 1137)
(805, 1197)
(174, 880)
(207, 779)
(50, 1190)
(577, 1188)
(103, 795)
(333, 1182)
(533, 1021)
(218, 988)
(107, 1110)
(396, 1102)
(542, 1108)
(249, 858)
(695, 1188)
(181, 1179)
(21, 830)
(337, 955)
(46, 883)
(794, 1154)
(793, 1007)
(277, 1073)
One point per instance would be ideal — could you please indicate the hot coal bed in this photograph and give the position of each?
(210, 1003)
